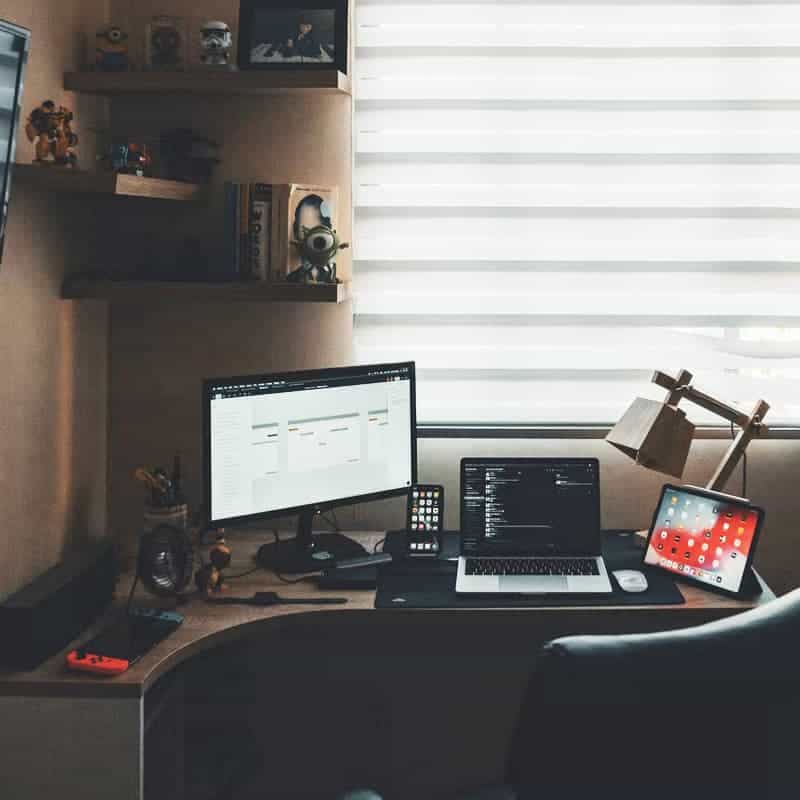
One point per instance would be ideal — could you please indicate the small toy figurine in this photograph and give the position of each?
(111, 49)
(49, 126)
(209, 578)
(317, 248)
(138, 159)
(164, 43)
(215, 44)
(127, 157)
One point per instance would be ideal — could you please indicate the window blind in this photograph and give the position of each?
(553, 200)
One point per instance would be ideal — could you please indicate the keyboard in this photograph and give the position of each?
(531, 566)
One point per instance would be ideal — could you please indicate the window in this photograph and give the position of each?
(553, 200)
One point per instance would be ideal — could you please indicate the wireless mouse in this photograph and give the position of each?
(630, 580)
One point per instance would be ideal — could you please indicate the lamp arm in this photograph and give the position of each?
(680, 388)
(717, 407)
(751, 428)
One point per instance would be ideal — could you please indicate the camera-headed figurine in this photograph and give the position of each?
(215, 44)
(317, 247)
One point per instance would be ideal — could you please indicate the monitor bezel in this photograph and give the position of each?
(5, 189)
(295, 375)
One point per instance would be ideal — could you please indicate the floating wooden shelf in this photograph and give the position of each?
(66, 179)
(132, 291)
(210, 82)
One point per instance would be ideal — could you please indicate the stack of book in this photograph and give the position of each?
(263, 219)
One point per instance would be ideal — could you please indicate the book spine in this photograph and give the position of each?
(260, 210)
(244, 231)
(279, 231)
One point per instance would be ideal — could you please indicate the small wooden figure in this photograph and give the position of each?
(51, 128)
(209, 577)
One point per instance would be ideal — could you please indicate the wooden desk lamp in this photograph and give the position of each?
(657, 435)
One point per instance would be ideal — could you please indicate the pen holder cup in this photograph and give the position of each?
(175, 516)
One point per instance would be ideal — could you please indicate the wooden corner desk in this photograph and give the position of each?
(386, 689)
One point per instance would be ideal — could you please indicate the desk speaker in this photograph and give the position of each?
(55, 608)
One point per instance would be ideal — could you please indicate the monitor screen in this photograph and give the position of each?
(530, 505)
(284, 442)
(13, 54)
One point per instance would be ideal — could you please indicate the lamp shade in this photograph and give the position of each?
(655, 435)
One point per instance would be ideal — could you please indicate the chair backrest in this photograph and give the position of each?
(704, 712)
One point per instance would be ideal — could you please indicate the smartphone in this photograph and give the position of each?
(123, 642)
(424, 519)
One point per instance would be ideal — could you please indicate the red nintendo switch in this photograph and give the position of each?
(123, 642)
(705, 537)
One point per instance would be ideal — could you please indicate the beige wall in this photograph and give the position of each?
(161, 353)
(52, 352)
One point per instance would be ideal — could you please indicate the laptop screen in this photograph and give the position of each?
(527, 505)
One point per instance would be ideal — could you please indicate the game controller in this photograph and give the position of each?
(123, 642)
(85, 661)
(157, 614)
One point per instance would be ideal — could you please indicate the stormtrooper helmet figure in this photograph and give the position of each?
(215, 43)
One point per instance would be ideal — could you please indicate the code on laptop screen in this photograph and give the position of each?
(530, 505)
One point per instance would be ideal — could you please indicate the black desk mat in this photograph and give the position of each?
(407, 583)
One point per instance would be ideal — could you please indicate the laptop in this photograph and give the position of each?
(531, 526)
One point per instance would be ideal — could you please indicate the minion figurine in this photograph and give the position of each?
(50, 127)
(111, 49)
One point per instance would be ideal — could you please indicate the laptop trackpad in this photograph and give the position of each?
(533, 584)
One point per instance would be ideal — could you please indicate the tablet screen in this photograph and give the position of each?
(702, 537)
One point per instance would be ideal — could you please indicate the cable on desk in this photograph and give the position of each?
(282, 578)
(242, 574)
(334, 523)
(378, 544)
(130, 594)
(307, 577)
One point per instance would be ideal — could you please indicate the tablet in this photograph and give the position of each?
(705, 537)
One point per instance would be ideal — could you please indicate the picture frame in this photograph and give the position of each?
(292, 34)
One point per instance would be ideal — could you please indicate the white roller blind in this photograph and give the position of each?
(554, 199)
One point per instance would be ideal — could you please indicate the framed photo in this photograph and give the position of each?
(293, 34)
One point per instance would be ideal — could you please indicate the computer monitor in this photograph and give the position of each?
(303, 442)
(14, 44)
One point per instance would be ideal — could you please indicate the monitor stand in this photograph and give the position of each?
(308, 551)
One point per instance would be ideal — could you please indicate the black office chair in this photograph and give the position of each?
(709, 712)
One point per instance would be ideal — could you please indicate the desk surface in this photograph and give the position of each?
(207, 626)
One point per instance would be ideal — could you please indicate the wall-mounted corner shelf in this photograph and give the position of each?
(65, 179)
(210, 82)
(133, 291)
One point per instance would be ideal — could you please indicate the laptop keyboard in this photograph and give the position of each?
(531, 566)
